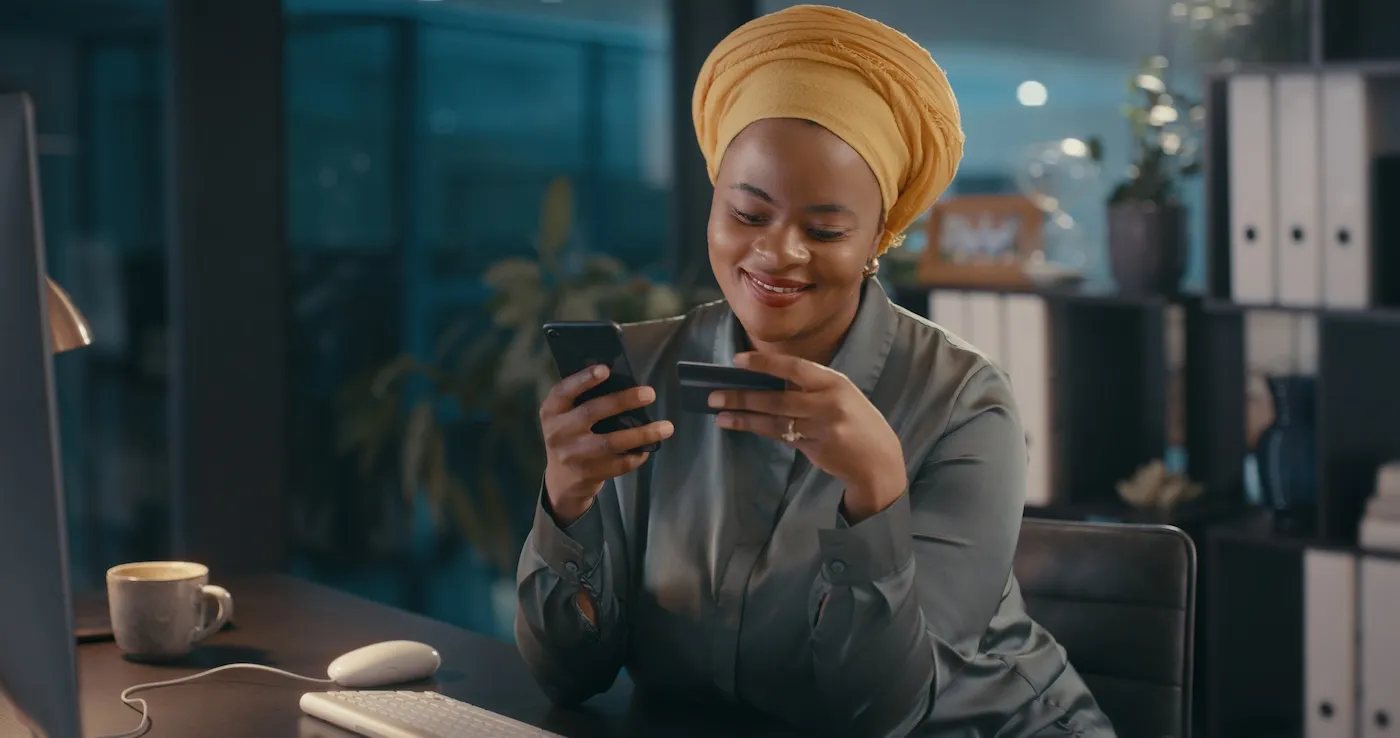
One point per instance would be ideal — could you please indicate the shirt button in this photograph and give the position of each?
(837, 566)
(571, 567)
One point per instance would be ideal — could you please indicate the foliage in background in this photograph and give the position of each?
(1223, 32)
(1166, 135)
(400, 415)
(1220, 33)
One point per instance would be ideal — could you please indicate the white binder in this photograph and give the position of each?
(1251, 145)
(1329, 644)
(1270, 342)
(984, 319)
(1297, 175)
(1305, 344)
(1027, 362)
(948, 308)
(1379, 647)
(1346, 191)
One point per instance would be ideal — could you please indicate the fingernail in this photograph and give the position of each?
(716, 399)
(722, 420)
(599, 371)
(647, 394)
(667, 429)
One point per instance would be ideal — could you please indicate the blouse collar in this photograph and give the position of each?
(863, 351)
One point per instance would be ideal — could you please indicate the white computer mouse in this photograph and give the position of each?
(380, 664)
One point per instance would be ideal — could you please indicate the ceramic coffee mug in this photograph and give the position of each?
(160, 609)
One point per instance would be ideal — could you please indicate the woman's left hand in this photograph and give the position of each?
(839, 430)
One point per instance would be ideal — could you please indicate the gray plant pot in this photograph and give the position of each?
(1147, 247)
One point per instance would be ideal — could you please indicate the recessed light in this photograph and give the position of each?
(1031, 94)
(1074, 147)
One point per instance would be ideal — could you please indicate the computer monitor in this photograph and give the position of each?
(38, 659)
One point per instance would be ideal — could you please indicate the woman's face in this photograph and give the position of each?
(795, 218)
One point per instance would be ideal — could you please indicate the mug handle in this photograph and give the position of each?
(224, 601)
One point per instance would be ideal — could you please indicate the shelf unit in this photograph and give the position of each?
(1382, 81)
(1252, 576)
(1109, 378)
(1110, 387)
(1256, 575)
(1352, 30)
(1358, 402)
(1355, 347)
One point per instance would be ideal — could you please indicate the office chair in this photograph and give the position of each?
(1121, 599)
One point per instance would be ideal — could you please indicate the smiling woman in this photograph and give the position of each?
(836, 554)
(794, 227)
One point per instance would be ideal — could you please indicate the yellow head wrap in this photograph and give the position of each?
(858, 78)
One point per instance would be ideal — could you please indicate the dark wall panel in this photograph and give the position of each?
(227, 283)
(697, 26)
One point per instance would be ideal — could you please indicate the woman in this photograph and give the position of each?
(837, 555)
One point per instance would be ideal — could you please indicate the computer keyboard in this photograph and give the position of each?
(384, 714)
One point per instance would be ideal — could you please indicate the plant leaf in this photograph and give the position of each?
(458, 504)
(417, 439)
(578, 304)
(556, 217)
(663, 302)
(520, 309)
(392, 372)
(436, 478)
(519, 362)
(598, 267)
(513, 273)
(365, 433)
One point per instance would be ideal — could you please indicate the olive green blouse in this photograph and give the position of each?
(707, 564)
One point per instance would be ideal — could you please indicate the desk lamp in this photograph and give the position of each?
(68, 329)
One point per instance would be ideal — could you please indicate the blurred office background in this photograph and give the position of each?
(418, 141)
(287, 223)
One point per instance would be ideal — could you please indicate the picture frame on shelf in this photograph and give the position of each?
(982, 241)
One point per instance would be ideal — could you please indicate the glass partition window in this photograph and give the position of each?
(503, 115)
(421, 144)
(340, 109)
(97, 77)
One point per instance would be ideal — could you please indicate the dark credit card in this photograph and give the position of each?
(698, 380)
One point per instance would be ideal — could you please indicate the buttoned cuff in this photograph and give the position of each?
(573, 551)
(870, 550)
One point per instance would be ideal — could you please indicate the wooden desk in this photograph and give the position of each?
(299, 626)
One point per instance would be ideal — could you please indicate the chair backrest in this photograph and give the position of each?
(1121, 599)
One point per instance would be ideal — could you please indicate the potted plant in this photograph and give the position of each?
(1147, 239)
(460, 429)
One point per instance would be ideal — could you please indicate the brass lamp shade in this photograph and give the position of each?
(67, 326)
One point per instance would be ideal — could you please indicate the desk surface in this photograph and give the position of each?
(301, 627)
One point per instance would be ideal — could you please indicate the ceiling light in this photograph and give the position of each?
(1032, 94)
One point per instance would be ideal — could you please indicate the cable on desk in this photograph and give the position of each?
(145, 713)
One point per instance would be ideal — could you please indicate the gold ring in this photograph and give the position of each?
(791, 435)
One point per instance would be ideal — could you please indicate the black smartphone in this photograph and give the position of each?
(578, 345)
(698, 380)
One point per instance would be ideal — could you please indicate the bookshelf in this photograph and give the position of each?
(1109, 367)
(1253, 614)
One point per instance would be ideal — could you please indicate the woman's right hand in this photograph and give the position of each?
(579, 461)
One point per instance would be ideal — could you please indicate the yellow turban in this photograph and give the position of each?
(858, 78)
